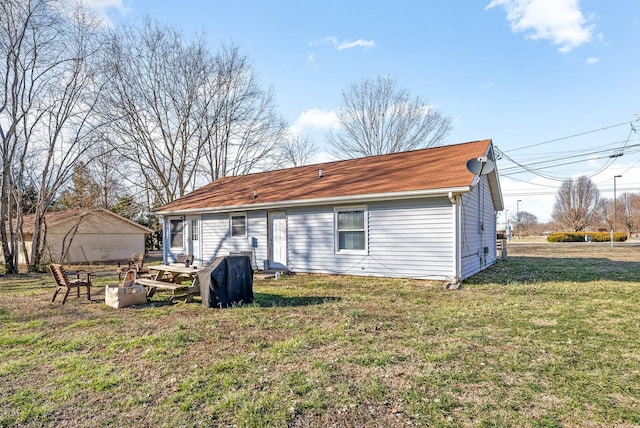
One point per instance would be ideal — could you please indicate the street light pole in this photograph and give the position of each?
(506, 224)
(615, 207)
(518, 217)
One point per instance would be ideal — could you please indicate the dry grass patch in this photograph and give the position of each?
(534, 341)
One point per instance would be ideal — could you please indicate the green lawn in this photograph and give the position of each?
(539, 340)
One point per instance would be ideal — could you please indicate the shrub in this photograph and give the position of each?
(581, 237)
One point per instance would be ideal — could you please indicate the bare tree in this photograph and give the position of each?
(242, 127)
(180, 111)
(629, 211)
(155, 79)
(526, 223)
(605, 213)
(111, 173)
(377, 117)
(576, 204)
(297, 150)
(49, 89)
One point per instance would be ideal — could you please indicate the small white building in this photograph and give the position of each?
(84, 236)
(417, 214)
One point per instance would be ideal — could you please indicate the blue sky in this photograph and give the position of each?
(525, 73)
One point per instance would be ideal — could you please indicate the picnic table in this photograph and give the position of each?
(174, 278)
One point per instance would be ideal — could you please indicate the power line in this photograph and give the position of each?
(538, 167)
(554, 163)
(570, 136)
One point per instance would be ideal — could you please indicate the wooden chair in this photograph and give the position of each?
(129, 278)
(136, 262)
(64, 281)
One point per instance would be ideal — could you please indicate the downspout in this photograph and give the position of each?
(457, 258)
(166, 239)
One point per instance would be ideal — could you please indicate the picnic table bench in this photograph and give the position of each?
(169, 277)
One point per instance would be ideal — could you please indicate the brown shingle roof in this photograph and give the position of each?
(419, 170)
(55, 217)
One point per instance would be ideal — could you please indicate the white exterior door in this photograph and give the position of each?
(193, 239)
(278, 238)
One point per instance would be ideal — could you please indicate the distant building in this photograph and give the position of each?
(83, 236)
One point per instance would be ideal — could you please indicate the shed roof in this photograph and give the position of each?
(58, 217)
(418, 172)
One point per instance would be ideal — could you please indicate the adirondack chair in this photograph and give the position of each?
(68, 280)
(136, 262)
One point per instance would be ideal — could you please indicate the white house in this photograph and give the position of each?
(417, 214)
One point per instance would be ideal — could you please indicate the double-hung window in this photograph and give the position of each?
(176, 232)
(351, 229)
(238, 225)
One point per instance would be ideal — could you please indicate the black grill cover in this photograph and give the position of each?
(227, 281)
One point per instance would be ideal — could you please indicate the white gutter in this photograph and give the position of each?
(413, 194)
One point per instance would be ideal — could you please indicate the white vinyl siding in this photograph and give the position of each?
(405, 239)
(216, 237)
(478, 234)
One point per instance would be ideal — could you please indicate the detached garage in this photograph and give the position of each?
(84, 236)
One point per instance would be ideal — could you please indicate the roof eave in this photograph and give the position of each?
(352, 199)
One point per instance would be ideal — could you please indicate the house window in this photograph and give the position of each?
(176, 231)
(239, 225)
(351, 229)
(194, 229)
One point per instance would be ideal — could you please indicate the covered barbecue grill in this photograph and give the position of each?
(226, 282)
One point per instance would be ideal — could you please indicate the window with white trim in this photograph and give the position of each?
(176, 233)
(238, 225)
(351, 229)
(194, 229)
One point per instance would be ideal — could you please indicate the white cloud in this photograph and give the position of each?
(317, 119)
(559, 21)
(342, 44)
(104, 4)
(356, 44)
(593, 60)
(103, 7)
(311, 58)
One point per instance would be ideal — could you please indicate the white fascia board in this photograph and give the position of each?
(372, 197)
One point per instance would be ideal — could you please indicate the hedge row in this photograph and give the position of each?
(581, 237)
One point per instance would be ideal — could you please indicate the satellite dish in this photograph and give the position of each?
(480, 166)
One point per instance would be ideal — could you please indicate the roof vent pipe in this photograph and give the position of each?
(320, 174)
